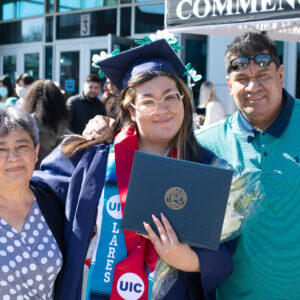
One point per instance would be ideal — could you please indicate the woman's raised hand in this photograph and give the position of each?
(100, 128)
(168, 247)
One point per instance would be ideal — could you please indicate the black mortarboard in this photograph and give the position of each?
(157, 55)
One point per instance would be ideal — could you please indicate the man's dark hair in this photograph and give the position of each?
(93, 78)
(249, 44)
(27, 79)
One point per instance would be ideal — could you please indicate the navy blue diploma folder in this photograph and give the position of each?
(191, 195)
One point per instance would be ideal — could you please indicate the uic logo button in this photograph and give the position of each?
(130, 286)
(113, 207)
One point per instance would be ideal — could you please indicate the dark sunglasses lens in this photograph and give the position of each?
(240, 63)
(263, 59)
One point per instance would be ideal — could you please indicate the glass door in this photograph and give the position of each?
(15, 60)
(73, 62)
(69, 72)
(67, 68)
(32, 64)
(112, 43)
(122, 43)
(10, 66)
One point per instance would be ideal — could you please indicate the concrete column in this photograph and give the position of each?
(216, 47)
(290, 66)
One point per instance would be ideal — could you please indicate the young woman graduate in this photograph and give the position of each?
(92, 179)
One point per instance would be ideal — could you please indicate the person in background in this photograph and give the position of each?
(31, 219)
(214, 110)
(7, 93)
(110, 87)
(46, 103)
(86, 105)
(23, 83)
(108, 99)
(155, 117)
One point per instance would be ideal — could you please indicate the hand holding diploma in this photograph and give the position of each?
(168, 247)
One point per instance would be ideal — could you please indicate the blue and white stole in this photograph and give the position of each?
(110, 244)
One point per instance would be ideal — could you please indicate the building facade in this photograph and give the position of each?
(56, 39)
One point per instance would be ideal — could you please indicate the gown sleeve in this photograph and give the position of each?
(215, 267)
(56, 171)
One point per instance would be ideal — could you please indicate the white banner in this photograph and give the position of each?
(280, 18)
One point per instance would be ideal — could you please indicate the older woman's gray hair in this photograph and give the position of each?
(12, 118)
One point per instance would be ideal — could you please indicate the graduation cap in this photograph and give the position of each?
(157, 55)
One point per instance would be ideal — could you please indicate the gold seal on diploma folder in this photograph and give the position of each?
(175, 198)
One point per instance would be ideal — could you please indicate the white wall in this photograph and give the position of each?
(290, 66)
(216, 47)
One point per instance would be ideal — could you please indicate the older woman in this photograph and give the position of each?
(92, 179)
(31, 220)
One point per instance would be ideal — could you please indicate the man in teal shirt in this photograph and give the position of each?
(262, 138)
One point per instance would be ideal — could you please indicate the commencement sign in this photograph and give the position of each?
(194, 14)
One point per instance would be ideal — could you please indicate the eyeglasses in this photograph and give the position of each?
(262, 60)
(148, 106)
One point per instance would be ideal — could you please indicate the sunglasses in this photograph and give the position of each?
(241, 63)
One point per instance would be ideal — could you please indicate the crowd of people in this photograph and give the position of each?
(58, 238)
(55, 114)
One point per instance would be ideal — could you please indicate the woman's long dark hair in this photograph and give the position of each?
(184, 141)
(48, 103)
